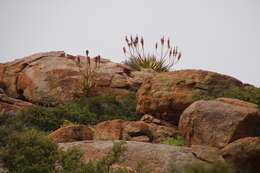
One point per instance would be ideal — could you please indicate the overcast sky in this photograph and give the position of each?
(216, 35)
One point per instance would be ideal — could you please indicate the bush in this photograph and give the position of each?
(247, 94)
(177, 141)
(160, 61)
(87, 111)
(71, 161)
(29, 153)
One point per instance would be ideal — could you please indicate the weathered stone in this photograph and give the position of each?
(56, 77)
(132, 131)
(167, 95)
(245, 154)
(156, 157)
(12, 106)
(72, 133)
(109, 130)
(219, 122)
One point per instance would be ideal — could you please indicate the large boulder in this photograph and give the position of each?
(12, 106)
(72, 133)
(56, 77)
(219, 122)
(133, 131)
(245, 154)
(167, 95)
(156, 157)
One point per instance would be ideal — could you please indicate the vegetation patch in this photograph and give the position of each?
(88, 111)
(162, 59)
(246, 94)
(175, 141)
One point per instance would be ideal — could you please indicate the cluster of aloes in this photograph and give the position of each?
(88, 73)
(161, 60)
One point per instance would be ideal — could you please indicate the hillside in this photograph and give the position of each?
(63, 113)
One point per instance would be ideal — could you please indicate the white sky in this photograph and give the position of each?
(216, 35)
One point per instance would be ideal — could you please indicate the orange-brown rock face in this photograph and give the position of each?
(158, 158)
(219, 122)
(11, 70)
(72, 133)
(11, 106)
(55, 77)
(166, 95)
(245, 154)
(133, 131)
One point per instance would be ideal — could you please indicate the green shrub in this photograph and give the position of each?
(32, 152)
(177, 141)
(247, 94)
(29, 153)
(86, 110)
(160, 61)
(71, 161)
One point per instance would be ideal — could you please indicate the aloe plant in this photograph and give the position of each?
(162, 60)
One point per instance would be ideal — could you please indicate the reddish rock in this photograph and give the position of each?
(133, 131)
(138, 77)
(56, 77)
(111, 130)
(167, 95)
(12, 106)
(136, 129)
(72, 133)
(245, 154)
(219, 122)
(10, 71)
(158, 158)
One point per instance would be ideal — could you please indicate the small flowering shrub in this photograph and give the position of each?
(88, 73)
(162, 60)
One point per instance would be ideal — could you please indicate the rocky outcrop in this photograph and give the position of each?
(156, 157)
(133, 131)
(167, 95)
(219, 122)
(72, 133)
(55, 77)
(12, 106)
(245, 154)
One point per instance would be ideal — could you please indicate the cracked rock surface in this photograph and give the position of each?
(156, 157)
(167, 95)
(55, 77)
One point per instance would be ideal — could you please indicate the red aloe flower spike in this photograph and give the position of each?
(126, 39)
(142, 41)
(99, 59)
(174, 51)
(170, 53)
(179, 57)
(88, 60)
(78, 60)
(162, 41)
(137, 39)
